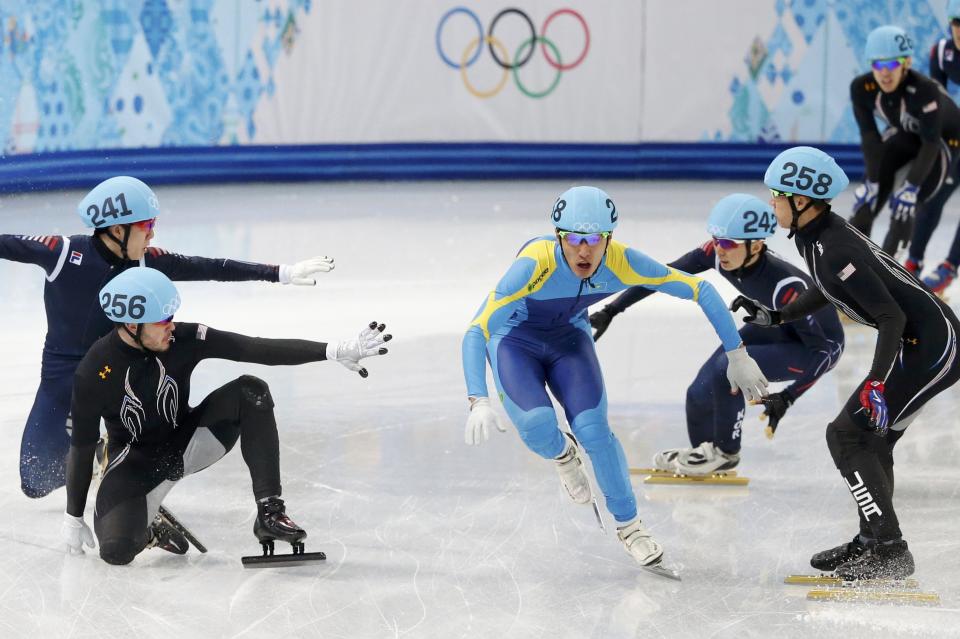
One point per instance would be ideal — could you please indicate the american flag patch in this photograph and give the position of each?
(76, 257)
(201, 332)
(932, 106)
(847, 271)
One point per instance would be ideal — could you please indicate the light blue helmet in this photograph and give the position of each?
(584, 209)
(953, 9)
(886, 43)
(139, 295)
(118, 200)
(804, 170)
(741, 217)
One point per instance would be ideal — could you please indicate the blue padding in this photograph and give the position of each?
(406, 161)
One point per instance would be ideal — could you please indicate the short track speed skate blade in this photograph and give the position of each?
(659, 472)
(596, 513)
(856, 595)
(831, 580)
(663, 571)
(283, 561)
(180, 528)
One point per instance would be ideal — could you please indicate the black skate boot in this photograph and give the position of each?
(890, 560)
(272, 524)
(828, 560)
(166, 537)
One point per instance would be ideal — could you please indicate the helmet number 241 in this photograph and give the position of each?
(98, 216)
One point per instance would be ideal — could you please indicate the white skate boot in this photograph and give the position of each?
(573, 475)
(704, 460)
(667, 459)
(639, 544)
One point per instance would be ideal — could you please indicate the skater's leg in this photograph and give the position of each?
(45, 441)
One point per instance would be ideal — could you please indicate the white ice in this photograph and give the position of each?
(428, 537)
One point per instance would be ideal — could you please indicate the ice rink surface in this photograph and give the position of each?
(427, 537)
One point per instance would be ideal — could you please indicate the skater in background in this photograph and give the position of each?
(137, 379)
(122, 211)
(944, 68)
(800, 352)
(534, 330)
(922, 133)
(914, 359)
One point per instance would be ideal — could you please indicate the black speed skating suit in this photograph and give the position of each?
(915, 354)
(155, 438)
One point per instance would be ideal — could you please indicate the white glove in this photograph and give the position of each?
(350, 352)
(75, 534)
(744, 374)
(481, 419)
(904, 202)
(300, 272)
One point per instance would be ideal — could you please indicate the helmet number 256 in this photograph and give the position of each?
(117, 306)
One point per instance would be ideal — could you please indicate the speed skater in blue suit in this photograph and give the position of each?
(800, 352)
(534, 331)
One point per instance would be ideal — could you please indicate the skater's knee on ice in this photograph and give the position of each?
(255, 391)
(118, 551)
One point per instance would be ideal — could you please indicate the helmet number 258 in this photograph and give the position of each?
(805, 179)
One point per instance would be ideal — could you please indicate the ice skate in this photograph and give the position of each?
(666, 460)
(914, 267)
(273, 524)
(941, 278)
(892, 560)
(639, 544)
(705, 459)
(166, 537)
(828, 560)
(573, 475)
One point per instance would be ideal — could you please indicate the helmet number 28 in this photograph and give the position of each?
(99, 215)
(805, 179)
(118, 307)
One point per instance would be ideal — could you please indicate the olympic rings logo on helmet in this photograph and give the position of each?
(586, 227)
(501, 55)
(171, 307)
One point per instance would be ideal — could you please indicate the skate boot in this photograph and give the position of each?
(890, 560)
(828, 560)
(667, 459)
(639, 544)
(704, 460)
(941, 278)
(573, 475)
(914, 267)
(166, 537)
(272, 524)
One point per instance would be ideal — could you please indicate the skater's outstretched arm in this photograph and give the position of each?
(49, 252)
(190, 268)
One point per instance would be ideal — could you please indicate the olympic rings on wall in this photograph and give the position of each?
(501, 56)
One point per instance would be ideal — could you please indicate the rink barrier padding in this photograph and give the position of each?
(403, 161)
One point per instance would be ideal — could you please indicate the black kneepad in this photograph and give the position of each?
(118, 552)
(256, 392)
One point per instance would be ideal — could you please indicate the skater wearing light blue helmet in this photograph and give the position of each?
(920, 128)
(122, 211)
(533, 329)
(800, 353)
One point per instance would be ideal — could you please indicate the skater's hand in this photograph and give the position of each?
(369, 343)
(299, 273)
(904, 202)
(481, 420)
(75, 534)
(865, 194)
(775, 407)
(757, 313)
(601, 321)
(744, 374)
(875, 405)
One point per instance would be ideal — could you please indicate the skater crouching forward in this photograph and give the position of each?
(137, 378)
(533, 328)
(914, 360)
